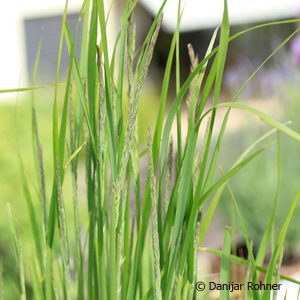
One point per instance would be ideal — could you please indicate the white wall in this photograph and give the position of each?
(200, 14)
(12, 46)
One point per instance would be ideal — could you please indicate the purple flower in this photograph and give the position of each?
(295, 48)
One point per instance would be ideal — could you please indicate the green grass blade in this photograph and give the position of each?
(92, 68)
(222, 53)
(259, 140)
(38, 149)
(264, 62)
(155, 237)
(198, 202)
(82, 62)
(264, 118)
(225, 263)
(63, 234)
(127, 241)
(41, 172)
(61, 139)
(79, 85)
(209, 213)
(195, 262)
(143, 55)
(55, 118)
(36, 280)
(221, 58)
(63, 123)
(123, 240)
(178, 119)
(279, 244)
(185, 177)
(111, 110)
(92, 284)
(173, 110)
(124, 20)
(18, 252)
(249, 248)
(277, 273)
(246, 295)
(101, 176)
(53, 204)
(195, 89)
(167, 190)
(33, 220)
(162, 103)
(36, 63)
(48, 279)
(244, 262)
(266, 237)
(74, 163)
(1, 278)
(19, 90)
(219, 183)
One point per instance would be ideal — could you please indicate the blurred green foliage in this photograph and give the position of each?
(255, 185)
(16, 135)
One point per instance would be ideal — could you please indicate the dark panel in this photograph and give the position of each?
(49, 29)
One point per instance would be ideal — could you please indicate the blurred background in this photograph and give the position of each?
(275, 90)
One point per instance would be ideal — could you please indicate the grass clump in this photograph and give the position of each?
(106, 258)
